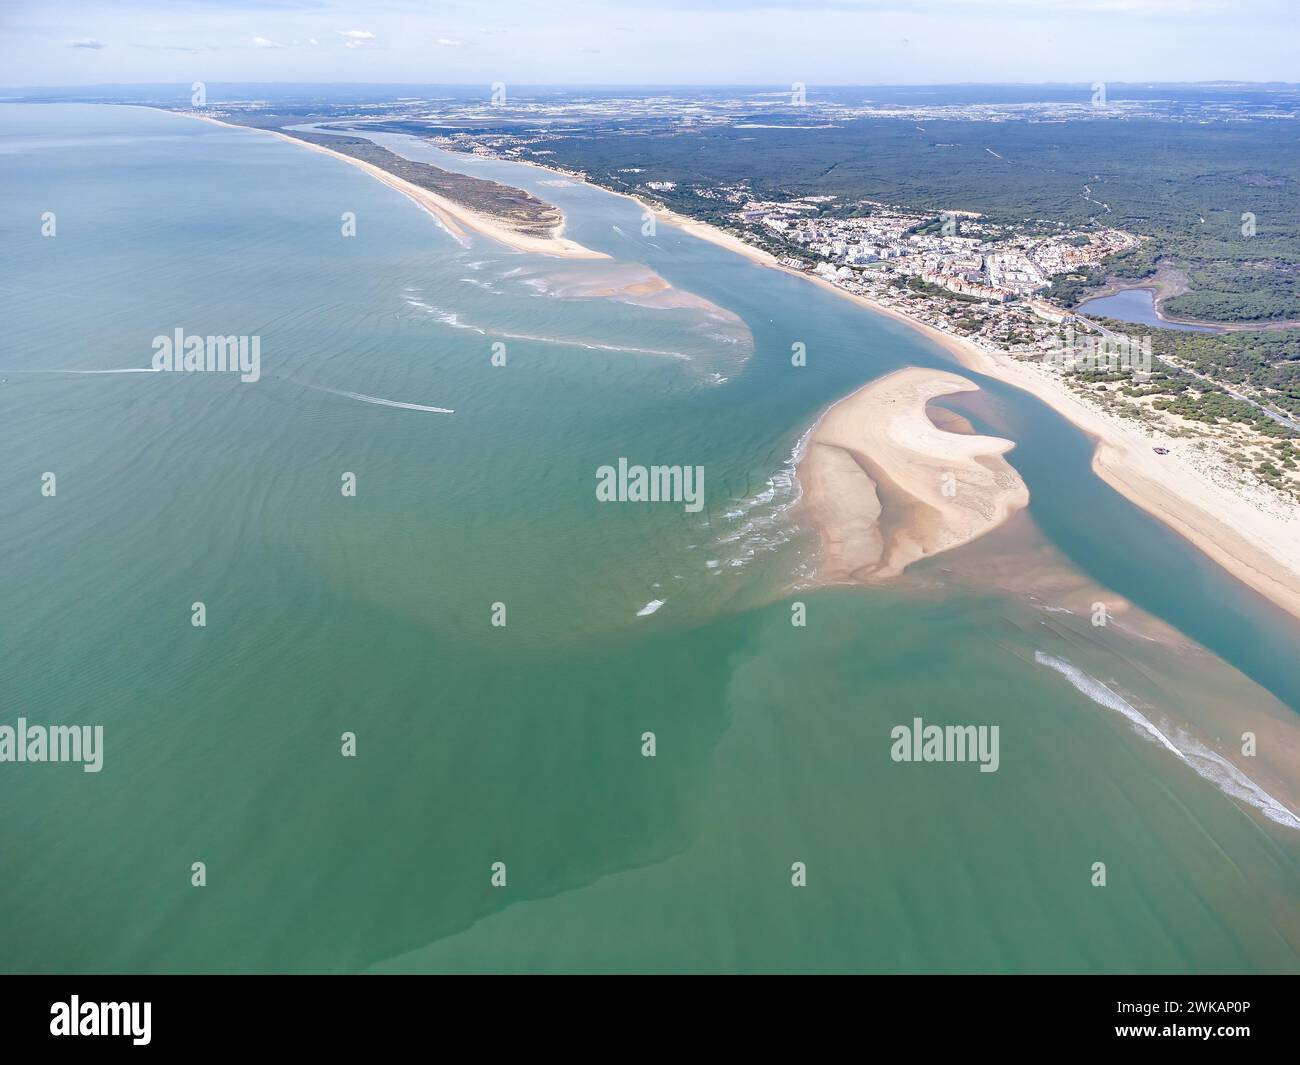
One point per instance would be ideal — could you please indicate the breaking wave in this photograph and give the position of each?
(1208, 764)
(761, 522)
(452, 319)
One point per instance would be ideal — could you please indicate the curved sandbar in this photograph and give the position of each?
(885, 486)
(1257, 542)
(453, 215)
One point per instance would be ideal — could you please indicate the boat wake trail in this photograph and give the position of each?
(361, 397)
(90, 373)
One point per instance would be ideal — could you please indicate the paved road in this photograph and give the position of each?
(1268, 412)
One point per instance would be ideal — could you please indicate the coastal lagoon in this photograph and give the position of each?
(1137, 305)
(480, 743)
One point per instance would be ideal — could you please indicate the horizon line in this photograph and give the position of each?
(1147, 83)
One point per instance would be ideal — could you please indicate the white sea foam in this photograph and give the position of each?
(461, 240)
(1214, 767)
(452, 319)
(1133, 632)
(764, 516)
(590, 346)
(1208, 764)
(1103, 696)
(723, 338)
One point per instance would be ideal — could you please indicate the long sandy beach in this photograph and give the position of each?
(1258, 544)
(451, 214)
(1257, 541)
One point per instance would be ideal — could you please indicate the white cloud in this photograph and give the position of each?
(355, 38)
(722, 41)
(262, 42)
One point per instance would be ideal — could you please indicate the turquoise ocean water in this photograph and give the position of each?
(522, 744)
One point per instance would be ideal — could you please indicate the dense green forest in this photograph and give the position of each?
(1266, 361)
(1187, 185)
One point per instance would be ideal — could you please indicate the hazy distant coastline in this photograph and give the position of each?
(537, 229)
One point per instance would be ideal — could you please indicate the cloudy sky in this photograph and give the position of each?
(858, 42)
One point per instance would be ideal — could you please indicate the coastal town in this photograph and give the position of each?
(982, 280)
(650, 494)
(987, 285)
(952, 269)
(1003, 288)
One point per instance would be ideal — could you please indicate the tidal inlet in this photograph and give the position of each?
(427, 560)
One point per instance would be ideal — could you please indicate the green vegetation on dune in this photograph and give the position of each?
(1264, 363)
(1267, 362)
(514, 208)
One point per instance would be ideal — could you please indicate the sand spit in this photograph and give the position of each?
(454, 216)
(1254, 538)
(1251, 538)
(886, 487)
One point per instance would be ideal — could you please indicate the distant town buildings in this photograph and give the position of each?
(950, 268)
(900, 256)
(1049, 312)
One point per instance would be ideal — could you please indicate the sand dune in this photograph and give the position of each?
(885, 486)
